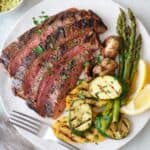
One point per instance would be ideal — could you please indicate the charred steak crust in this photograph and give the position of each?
(61, 35)
(65, 75)
(12, 49)
(45, 63)
(55, 41)
(68, 38)
(53, 48)
(48, 30)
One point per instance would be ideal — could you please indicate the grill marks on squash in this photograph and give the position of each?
(103, 90)
(66, 134)
(62, 131)
(119, 130)
(81, 124)
(106, 87)
(88, 98)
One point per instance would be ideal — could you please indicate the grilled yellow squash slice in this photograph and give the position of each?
(105, 87)
(62, 131)
(81, 92)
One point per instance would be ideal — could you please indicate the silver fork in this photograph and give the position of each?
(36, 127)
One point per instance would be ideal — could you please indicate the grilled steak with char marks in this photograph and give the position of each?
(46, 62)
(48, 28)
(69, 37)
(64, 76)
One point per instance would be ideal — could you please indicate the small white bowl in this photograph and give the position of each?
(12, 9)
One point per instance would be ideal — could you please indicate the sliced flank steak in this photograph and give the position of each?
(45, 63)
(84, 23)
(63, 78)
(49, 27)
(46, 66)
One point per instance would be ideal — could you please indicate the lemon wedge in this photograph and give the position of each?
(142, 77)
(139, 104)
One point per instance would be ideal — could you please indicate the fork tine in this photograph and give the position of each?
(25, 124)
(23, 127)
(32, 118)
(25, 119)
(32, 125)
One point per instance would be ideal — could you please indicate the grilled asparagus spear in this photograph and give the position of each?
(129, 54)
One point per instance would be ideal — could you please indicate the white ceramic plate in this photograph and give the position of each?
(109, 11)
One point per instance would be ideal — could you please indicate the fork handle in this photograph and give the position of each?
(67, 145)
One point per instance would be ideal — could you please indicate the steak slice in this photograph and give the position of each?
(47, 29)
(53, 42)
(12, 49)
(31, 77)
(54, 88)
(46, 62)
(61, 35)
(67, 39)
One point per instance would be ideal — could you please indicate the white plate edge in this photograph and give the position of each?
(18, 20)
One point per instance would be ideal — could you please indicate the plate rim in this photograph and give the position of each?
(4, 110)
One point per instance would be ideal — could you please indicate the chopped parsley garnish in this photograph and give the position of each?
(86, 63)
(39, 31)
(45, 17)
(105, 86)
(81, 96)
(40, 19)
(42, 12)
(111, 82)
(38, 50)
(71, 64)
(108, 91)
(80, 81)
(35, 21)
(97, 93)
(97, 59)
(64, 77)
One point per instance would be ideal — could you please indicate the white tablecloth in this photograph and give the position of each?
(142, 10)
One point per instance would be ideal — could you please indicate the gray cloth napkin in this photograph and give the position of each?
(10, 139)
